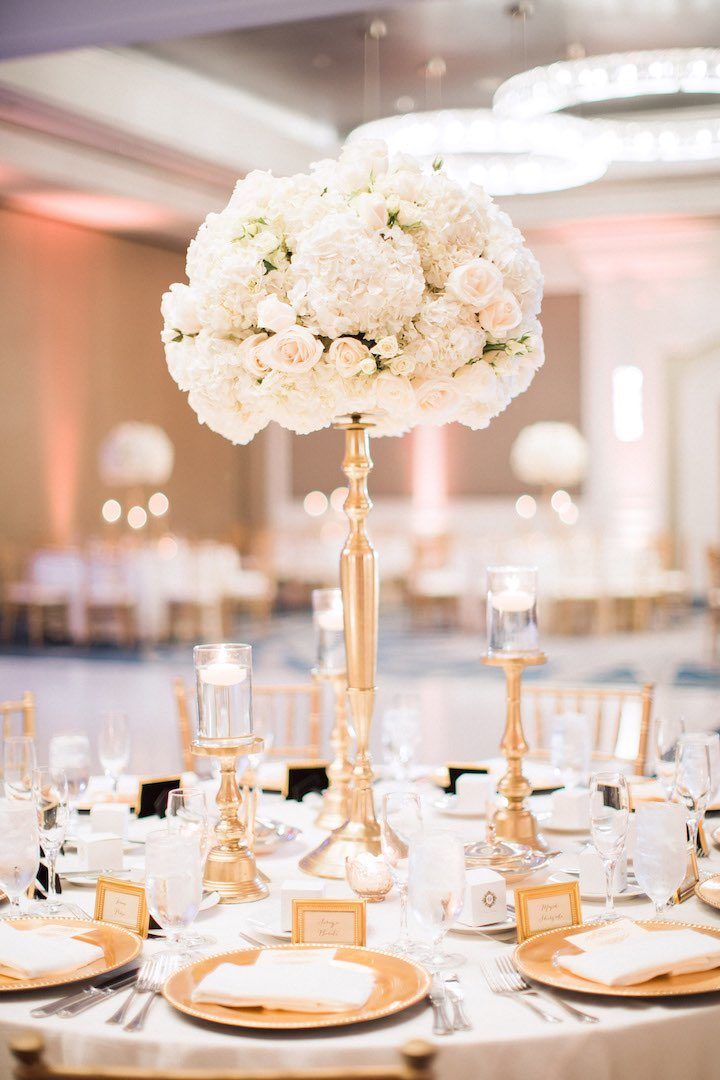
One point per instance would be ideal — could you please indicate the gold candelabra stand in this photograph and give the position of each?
(359, 585)
(515, 821)
(230, 867)
(335, 808)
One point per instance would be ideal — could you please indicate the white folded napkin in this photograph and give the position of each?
(644, 957)
(311, 981)
(30, 954)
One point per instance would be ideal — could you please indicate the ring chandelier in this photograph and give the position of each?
(617, 77)
(507, 156)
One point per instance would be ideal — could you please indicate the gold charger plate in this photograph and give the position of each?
(119, 946)
(709, 890)
(398, 985)
(534, 960)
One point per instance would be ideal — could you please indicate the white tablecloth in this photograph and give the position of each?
(640, 1040)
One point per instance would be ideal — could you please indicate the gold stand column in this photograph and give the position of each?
(515, 821)
(335, 808)
(230, 867)
(359, 584)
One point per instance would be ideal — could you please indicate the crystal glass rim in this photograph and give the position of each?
(210, 649)
(508, 568)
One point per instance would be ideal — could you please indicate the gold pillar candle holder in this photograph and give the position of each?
(515, 821)
(230, 867)
(335, 808)
(359, 585)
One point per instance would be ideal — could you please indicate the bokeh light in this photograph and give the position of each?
(559, 499)
(338, 497)
(526, 507)
(158, 504)
(137, 517)
(569, 514)
(315, 503)
(111, 511)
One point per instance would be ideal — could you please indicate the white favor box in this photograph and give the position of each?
(485, 898)
(472, 791)
(571, 809)
(100, 851)
(297, 890)
(592, 873)
(110, 818)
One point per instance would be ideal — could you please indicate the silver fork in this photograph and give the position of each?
(165, 965)
(501, 985)
(118, 1017)
(457, 1000)
(505, 964)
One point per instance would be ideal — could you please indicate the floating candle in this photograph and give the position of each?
(223, 674)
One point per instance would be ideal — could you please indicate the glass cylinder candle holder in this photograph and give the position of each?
(224, 693)
(512, 627)
(329, 632)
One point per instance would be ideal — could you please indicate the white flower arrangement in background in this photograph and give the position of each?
(134, 453)
(549, 454)
(365, 286)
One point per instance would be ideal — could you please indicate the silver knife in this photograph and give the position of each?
(442, 1024)
(80, 995)
(73, 1008)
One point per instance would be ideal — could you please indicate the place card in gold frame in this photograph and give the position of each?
(329, 922)
(122, 903)
(547, 907)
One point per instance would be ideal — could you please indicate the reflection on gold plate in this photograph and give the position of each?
(534, 959)
(398, 985)
(709, 890)
(119, 946)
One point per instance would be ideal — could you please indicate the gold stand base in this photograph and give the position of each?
(520, 827)
(353, 837)
(235, 876)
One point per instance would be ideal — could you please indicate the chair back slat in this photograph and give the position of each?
(22, 710)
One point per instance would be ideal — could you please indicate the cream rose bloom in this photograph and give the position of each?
(436, 397)
(179, 310)
(501, 316)
(371, 210)
(250, 353)
(293, 350)
(386, 347)
(273, 314)
(395, 394)
(476, 283)
(477, 382)
(349, 355)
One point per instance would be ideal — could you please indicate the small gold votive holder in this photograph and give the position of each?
(368, 876)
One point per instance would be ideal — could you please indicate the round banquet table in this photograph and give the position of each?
(637, 1039)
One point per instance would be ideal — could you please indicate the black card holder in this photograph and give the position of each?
(303, 777)
(43, 875)
(153, 796)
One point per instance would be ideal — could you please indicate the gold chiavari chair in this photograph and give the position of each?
(24, 710)
(713, 597)
(417, 1059)
(619, 717)
(182, 708)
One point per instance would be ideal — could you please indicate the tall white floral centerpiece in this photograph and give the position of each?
(550, 454)
(369, 289)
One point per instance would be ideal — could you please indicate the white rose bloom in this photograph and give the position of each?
(348, 355)
(404, 364)
(179, 310)
(436, 398)
(386, 347)
(292, 350)
(235, 421)
(395, 394)
(251, 355)
(478, 382)
(476, 283)
(273, 314)
(501, 316)
(371, 210)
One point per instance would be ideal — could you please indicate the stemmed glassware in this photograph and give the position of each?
(400, 821)
(668, 730)
(436, 889)
(661, 851)
(571, 748)
(19, 849)
(18, 762)
(50, 796)
(401, 735)
(114, 746)
(174, 882)
(693, 779)
(609, 819)
(71, 753)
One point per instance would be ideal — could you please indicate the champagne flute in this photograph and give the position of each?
(668, 730)
(50, 794)
(401, 820)
(401, 735)
(114, 746)
(19, 849)
(571, 748)
(173, 881)
(661, 851)
(19, 762)
(693, 781)
(71, 754)
(436, 889)
(609, 819)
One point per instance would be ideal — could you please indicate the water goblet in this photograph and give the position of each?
(401, 735)
(173, 882)
(19, 849)
(693, 779)
(114, 746)
(609, 819)
(18, 763)
(661, 851)
(668, 730)
(71, 753)
(436, 890)
(571, 748)
(50, 795)
(400, 821)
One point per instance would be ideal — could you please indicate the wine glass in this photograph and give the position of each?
(19, 849)
(114, 746)
(19, 762)
(401, 820)
(50, 794)
(661, 851)
(571, 748)
(436, 889)
(173, 881)
(693, 781)
(401, 735)
(609, 819)
(71, 753)
(668, 730)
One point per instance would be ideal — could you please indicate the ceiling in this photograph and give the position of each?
(108, 121)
